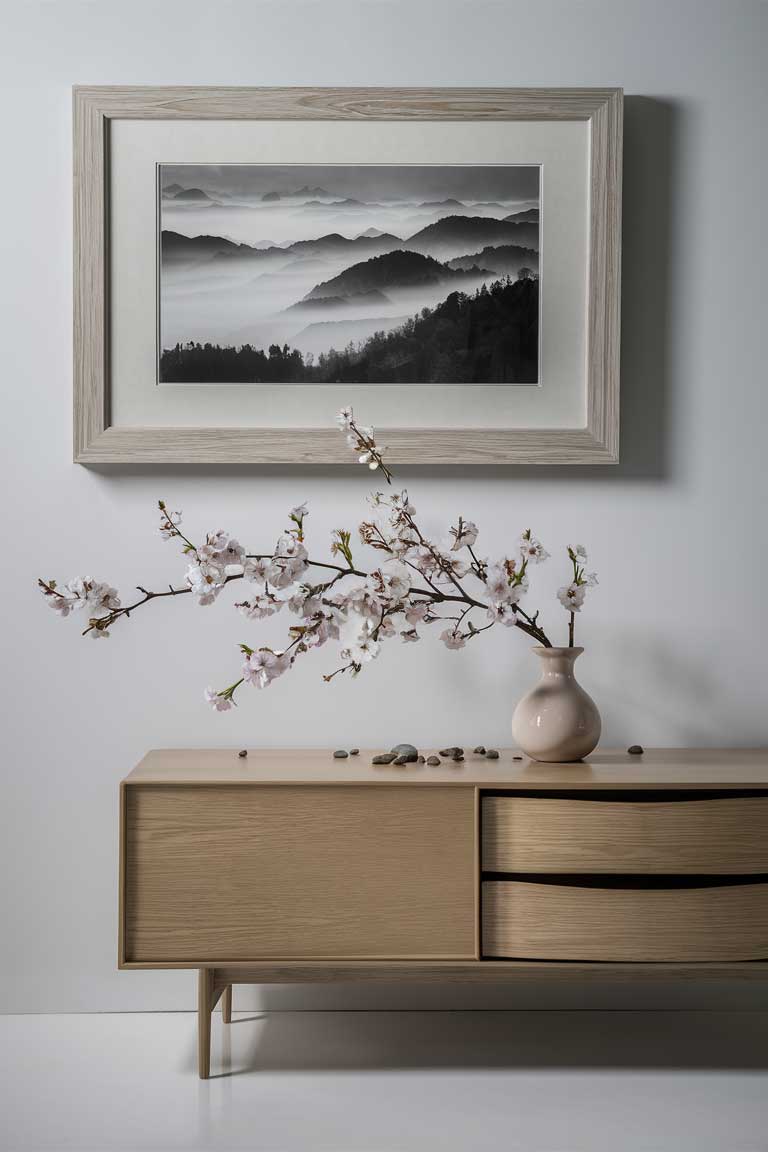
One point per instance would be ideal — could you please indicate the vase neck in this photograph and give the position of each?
(558, 661)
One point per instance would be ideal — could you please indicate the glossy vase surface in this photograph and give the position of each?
(557, 721)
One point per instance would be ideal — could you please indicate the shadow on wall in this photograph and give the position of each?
(377, 1041)
(651, 143)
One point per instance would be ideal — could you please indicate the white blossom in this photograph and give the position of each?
(206, 581)
(499, 587)
(452, 639)
(571, 596)
(84, 593)
(365, 647)
(299, 512)
(303, 603)
(260, 607)
(580, 553)
(591, 580)
(415, 611)
(502, 612)
(59, 602)
(464, 536)
(168, 523)
(345, 418)
(423, 558)
(258, 668)
(410, 636)
(532, 549)
(324, 629)
(218, 701)
(363, 601)
(397, 579)
(256, 570)
(451, 566)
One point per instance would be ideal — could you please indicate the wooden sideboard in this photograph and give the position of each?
(292, 866)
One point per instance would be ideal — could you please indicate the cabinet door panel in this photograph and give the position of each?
(249, 873)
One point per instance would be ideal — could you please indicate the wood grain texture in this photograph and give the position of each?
(659, 768)
(97, 442)
(139, 102)
(236, 873)
(205, 1001)
(604, 294)
(483, 972)
(90, 203)
(526, 834)
(226, 1004)
(413, 446)
(566, 922)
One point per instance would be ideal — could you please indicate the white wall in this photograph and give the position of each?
(675, 633)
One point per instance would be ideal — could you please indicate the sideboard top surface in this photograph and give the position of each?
(658, 768)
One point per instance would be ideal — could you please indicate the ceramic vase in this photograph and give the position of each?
(557, 721)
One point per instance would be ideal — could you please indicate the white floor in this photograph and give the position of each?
(388, 1082)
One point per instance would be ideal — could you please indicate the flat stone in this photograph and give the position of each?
(480, 750)
(635, 749)
(383, 758)
(399, 761)
(458, 758)
(517, 757)
(420, 760)
(405, 750)
(433, 760)
(354, 751)
(340, 754)
(491, 754)
(243, 753)
(454, 751)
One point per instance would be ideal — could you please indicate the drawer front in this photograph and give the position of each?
(528, 834)
(257, 872)
(564, 922)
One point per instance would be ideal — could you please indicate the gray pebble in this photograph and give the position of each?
(491, 754)
(384, 758)
(243, 753)
(635, 750)
(405, 750)
(480, 750)
(420, 760)
(354, 751)
(517, 757)
(454, 751)
(400, 760)
(458, 758)
(433, 760)
(340, 754)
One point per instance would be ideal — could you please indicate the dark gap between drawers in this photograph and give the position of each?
(626, 880)
(648, 795)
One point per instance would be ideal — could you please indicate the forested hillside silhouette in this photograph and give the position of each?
(489, 336)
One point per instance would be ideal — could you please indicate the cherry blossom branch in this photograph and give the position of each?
(386, 599)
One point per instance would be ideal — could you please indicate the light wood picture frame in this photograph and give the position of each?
(97, 440)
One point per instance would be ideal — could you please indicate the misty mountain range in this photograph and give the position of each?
(354, 253)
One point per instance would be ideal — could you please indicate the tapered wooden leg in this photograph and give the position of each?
(226, 1005)
(204, 1009)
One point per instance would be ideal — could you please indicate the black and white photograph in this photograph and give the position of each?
(378, 274)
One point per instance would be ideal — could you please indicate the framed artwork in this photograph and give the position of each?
(248, 261)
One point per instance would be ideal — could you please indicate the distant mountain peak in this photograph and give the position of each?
(306, 192)
(397, 269)
(193, 194)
